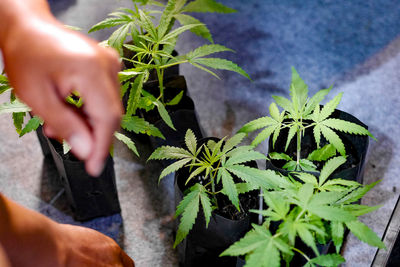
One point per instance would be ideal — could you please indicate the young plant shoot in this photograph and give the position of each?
(312, 210)
(153, 45)
(217, 163)
(298, 114)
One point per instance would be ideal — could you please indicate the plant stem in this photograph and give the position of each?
(298, 148)
(173, 64)
(160, 74)
(301, 253)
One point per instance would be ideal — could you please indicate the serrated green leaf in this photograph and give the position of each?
(307, 178)
(206, 50)
(305, 193)
(330, 107)
(205, 6)
(206, 204)
(246, 244)
(127, 141)
(13, 107)
(328, 260)
(274, 201)
(18, 119)
(191, 141)
(298, 91)
(274, 111)
(139, 125)
(322, 154)
(257, 124)
(292, 131)
(170, 152)
(188, 208)
(201, 30)
(175, 100)
(108, 23)
(245, 187)
(232, 142)
(164, 114)
(263, 135)
(358, 210)
(261, 178)
(279, 156)
(244, 157)
(317, 135)
(176, 32)
(31, 125)
(229, 187)
(334, 139)
(290, 166)
(134, 95)
(117, 38)
(329, 167)
(166, 18)
(331, 213)
(347, 127)
(306, 236)
(337, 232)
(365, 234)
(220, 64)
(307, 165)
(357, 193)
(316, 100)
(205, 69)
(284, 103)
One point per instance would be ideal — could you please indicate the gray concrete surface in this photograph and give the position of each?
(354, 45)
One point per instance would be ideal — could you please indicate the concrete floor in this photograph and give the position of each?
(351, 44)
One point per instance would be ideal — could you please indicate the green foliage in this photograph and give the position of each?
(311, 211)
(217, 163)
(300, 113)
(127, 141)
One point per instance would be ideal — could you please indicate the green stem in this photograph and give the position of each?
(298, 148)
(301, 253)
(173, 64)
(160, 76)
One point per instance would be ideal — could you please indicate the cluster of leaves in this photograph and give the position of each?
(298, 114)
(153, 46)
(19, 111)
(217, 162)
(308, 209)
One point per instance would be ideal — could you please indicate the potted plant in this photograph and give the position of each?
(88, 197)
(302, 215)
(305, 134)
(216, 184)
(148, 90)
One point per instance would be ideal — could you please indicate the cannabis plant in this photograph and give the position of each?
(153, 46)
(217, 163)
(298, 114)
(20, 111)
(312, 210)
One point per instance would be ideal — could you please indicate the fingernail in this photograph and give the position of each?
(80, 145)
(95, 169)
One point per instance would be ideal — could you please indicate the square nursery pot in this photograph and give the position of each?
(202, 246)
(390, 257)
(356, 149)
(183, 115)
(89, 197)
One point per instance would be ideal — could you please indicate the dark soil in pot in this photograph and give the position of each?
(356, 149)
(89, 197)
(203, 246)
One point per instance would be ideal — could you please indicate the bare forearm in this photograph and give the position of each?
(23, 232)
(13, 12)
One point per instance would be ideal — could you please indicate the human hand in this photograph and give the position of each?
(45, 62)
(87, 247)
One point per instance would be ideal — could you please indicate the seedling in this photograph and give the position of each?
(153, 46)
(313, 210)
(217, 163)
(298, 114)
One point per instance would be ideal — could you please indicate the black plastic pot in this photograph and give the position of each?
(390, 257)
(203, 246)
(356, 149)
(89, 197)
